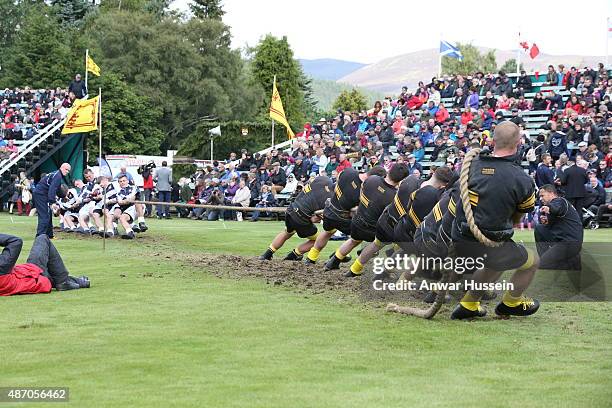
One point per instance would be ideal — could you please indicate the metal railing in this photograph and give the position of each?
(32, 144)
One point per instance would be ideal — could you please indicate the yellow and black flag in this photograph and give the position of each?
(92, 67)
(277, 112)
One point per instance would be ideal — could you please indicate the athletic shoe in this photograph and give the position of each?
(350, 274)
(68, 285)
(143, 227)
(343, 260)
(292, 256)
(129, 235)
(461, 313)
(135, 228)
(267, 256)
(332, 263)
(527, 307)
(308, 261)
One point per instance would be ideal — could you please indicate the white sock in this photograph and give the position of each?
(141, 219)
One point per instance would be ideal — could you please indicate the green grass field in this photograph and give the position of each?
(153, 331)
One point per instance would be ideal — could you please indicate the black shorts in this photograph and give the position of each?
(295, 224)
(331, 221)
(509, 255)
(384, 229)
(361, 231)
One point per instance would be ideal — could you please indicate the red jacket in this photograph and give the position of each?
(343, 165)
(147, 182)
(24, 279)
(414, 103)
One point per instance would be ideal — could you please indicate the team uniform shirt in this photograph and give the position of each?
(386, 223)
(433, 237)
(127, 193)
(311, 199)
(376, 194)
(337, 212)
(421, 203)
(498, 188)
(69, 202)
(111, 194)
(85, 201)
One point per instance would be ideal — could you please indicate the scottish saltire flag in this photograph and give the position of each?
(449, 50)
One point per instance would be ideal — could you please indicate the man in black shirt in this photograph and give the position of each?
(410, 203)
(337, 212)
(500, 193)
(376, 193)
(278, 177)
(77, 87)
(559, 234)
(301, 217)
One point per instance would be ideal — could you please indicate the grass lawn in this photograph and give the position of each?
(152, 332)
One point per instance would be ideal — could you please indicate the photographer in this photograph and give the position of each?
(146, 171)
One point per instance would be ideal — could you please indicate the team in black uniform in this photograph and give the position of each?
(404, 214)
(376, 193)
(301, 218)
(338, 209)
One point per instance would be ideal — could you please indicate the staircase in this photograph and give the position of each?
(32, 154)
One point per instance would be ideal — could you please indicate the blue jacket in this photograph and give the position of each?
(544, 175)
(48, 185)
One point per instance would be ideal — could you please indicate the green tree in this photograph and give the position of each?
(207, 9)
(35, 60)
(72, 12)
(473, 61)
(273, 56)
(510, 66)
(130, 123)
(187, 68)
(352, 101)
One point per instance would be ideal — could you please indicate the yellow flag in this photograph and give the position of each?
(277, 112)
(82, 117)
(92, 66)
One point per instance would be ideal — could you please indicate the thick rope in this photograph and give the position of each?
(217, 207)
(465, 200)
(431, 311)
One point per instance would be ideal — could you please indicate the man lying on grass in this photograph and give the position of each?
(43, 270)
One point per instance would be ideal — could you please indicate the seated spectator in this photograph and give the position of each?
(278, 178)
(266, 199)
(242, 198)
(419, 151)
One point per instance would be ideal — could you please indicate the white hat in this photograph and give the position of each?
(582, 144)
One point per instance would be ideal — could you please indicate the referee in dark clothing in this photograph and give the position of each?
(44, 196)
(573, 180)
(559, 234)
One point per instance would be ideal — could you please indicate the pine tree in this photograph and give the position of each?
(207, 9)
(71, 12)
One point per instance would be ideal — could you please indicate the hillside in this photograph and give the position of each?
(326, 92)
(390, 74)
(327, 68)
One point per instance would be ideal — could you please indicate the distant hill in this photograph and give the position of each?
(326, 92)
(390, 74)
(326, 68)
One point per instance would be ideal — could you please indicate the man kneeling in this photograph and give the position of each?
(43, 270)
(559, 235)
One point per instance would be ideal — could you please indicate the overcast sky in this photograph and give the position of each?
(368, 31)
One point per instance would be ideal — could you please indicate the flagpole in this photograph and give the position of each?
(100, 166)
(607, 39)
(86, 56)
(273, 119)
(211, 147)
(518, 54)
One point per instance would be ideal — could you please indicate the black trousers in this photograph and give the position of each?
(148, 194)
(601, 211)
(45, 216)
(44, 255)
(555, 254)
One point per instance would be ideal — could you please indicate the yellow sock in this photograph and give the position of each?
(272, 248)
(339, 254)
(297, 252)
(470, 302)
(357, 267)
(510, 300)
(313, 254)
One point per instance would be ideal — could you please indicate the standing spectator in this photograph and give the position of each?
(545, 174)
(163, 178)
(26, 195)
(551, 77)
(573, 180)
(147, 185)
(77, 87)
